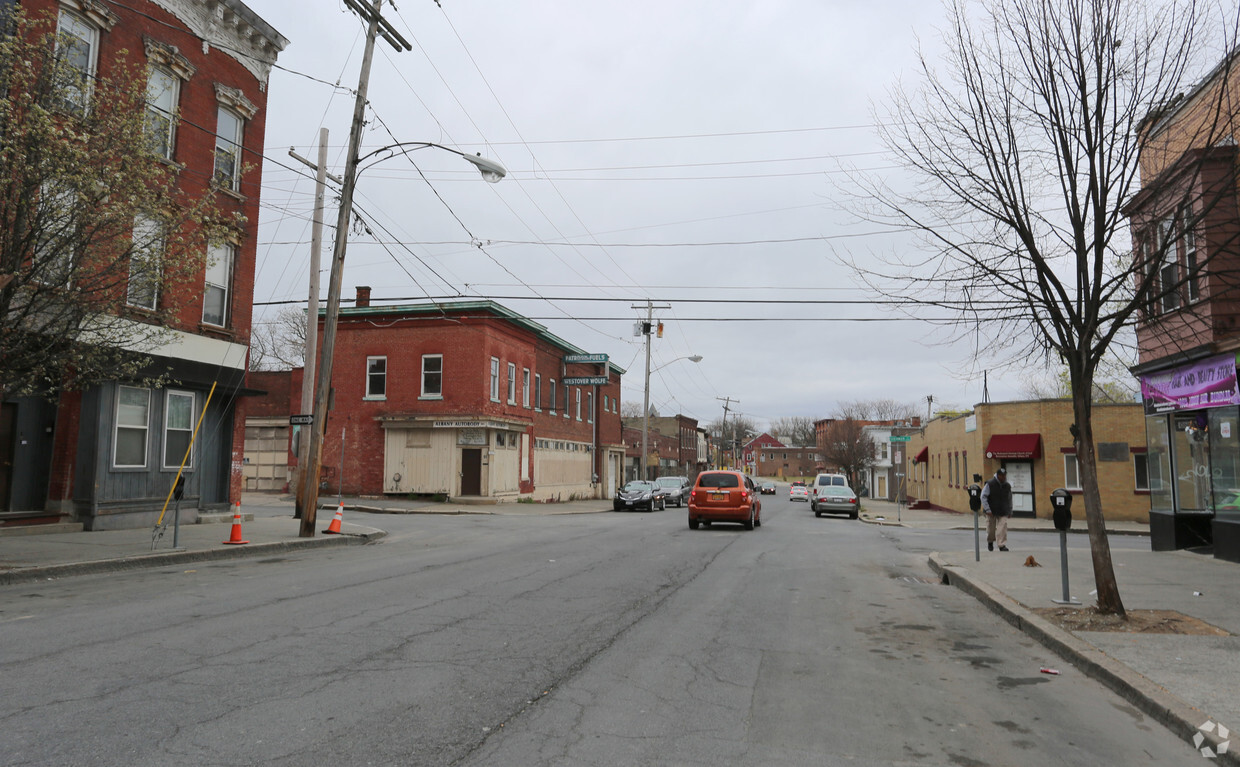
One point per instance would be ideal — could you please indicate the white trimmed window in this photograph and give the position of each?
(162, 93)
(218, 280)
(432, 376)
(77, 45)
(495, 379)
(54, 251)
(551, 399)
(512, 383)
(376, 378)
(145, 257)
(178, 428)
(228, 125)
(1071, 472)
(525, 387)
(590, 406)
(1169, 268)
(538, 392)
(133, 418)
(578, 390)
(1191, 267)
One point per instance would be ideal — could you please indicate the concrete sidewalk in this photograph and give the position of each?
(41, 552)
(1180, 681)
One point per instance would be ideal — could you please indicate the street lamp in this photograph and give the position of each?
(491, 170)
(646, 402)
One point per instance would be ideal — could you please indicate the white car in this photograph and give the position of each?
(798, 493)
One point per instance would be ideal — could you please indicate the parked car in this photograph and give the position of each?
(798, 493)
(834, 499)
(676, 488)
(640, 494)
(798, 483)
(724, 496)
(767, 488)
(823, 481)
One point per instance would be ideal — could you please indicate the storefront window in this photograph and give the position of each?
(1225, 460)
(1158, 459)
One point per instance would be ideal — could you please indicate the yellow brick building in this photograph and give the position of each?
(1032, 441)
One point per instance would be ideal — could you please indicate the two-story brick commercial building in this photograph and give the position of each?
(465, 398)
(1186, 234)
(107, 455)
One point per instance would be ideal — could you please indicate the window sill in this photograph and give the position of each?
(430, 397)
(227, 192)
(216, 331)
(374, 399)
(1139, 491)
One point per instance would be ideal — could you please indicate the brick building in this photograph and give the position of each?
(1186, 234)
(662, 454)
(678, 452)
(107, 456)
(783, 461)
(1032, 442)
(748, 453)
(462, 399)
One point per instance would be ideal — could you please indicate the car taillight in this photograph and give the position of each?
(693, 495)
(744, 495)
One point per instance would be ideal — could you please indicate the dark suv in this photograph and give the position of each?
(677, 489)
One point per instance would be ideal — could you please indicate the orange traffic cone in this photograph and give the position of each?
(236, 528)
(334, 527)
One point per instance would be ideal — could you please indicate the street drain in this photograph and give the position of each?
(918, 579)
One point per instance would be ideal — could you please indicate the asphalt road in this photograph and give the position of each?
(605, 639)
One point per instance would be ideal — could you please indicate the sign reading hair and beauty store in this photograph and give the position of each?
(1206, 383)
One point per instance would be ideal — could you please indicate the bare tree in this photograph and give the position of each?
(279, 343)
(881, 409)
(796, 430)
(98, 239)
(1024, 150)
(846, 446)
(733, 435)
(631, 410)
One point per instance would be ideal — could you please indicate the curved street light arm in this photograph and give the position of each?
(491, 170)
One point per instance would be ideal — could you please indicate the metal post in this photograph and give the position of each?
(645, 472)
(977, 537)
(1063, 567)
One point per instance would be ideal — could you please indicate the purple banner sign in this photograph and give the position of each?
(1207, 383)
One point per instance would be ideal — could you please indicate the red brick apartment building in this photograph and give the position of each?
(1186, 234)
(107, 456)
(671, 447)
(465, 398)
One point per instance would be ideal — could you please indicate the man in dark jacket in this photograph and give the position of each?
(997, 504)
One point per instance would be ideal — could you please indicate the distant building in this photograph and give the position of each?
(787, 462)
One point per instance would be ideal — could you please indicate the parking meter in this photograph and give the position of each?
(975, 497)
(1061, 508)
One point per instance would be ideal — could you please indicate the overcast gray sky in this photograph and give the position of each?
(688, 152)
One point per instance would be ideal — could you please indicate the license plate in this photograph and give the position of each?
(719, 496)
(628, 503)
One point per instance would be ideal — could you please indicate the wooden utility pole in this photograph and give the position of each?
(324, 376)
(723, 429)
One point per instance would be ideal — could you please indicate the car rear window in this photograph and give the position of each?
(718, 480)
(829, 479)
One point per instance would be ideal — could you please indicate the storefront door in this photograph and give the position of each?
(471, 471)
(1020, 477)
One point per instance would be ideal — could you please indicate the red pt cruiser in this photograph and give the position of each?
(724, 496)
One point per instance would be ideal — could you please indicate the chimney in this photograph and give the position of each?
(363, 296)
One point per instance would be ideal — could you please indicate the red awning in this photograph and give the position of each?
(1026, 446)
(922, 456)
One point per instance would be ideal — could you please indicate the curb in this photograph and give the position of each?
(39, 573)
(1152, 699)
(1011, 529)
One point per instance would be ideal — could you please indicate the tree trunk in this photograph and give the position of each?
(1087, 466)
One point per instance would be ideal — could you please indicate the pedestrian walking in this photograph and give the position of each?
(997, 505)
